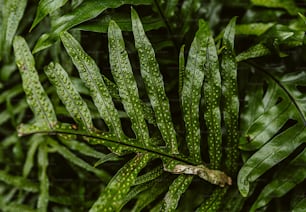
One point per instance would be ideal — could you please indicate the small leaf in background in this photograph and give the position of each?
(253, 28)
(46, 7)
(37, 99)
(181, 70)
(66, 153)
(12, 13)
(35, 141)
(154, 84)
(43, 162)
(18, 182)
(288, 5)
(84, 12)
(124, 22)
(255, 51)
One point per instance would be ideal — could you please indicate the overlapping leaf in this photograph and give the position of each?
(89, 9)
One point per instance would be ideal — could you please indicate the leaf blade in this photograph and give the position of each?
(191, 91)
(46, 7)
(154, 84)
(230, 99)
(176, 190)
(69, 95)
(269, 155)
(84, 12)
(123, 75)
(212, 97)
(114, 194)
(90, 74)
(37, 99)
(287, 178)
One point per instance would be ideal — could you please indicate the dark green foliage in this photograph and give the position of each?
(142, 105)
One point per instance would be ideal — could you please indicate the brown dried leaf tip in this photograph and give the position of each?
(213, 176)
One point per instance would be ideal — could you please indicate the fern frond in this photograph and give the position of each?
(125, 91)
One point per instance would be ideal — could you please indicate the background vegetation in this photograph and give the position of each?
(59, 159)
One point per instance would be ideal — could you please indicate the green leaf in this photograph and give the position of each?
(46, 7)
(18, 182)
(85, 149)
(176, 190)
(148, 196)
(123, 75)
(105, 158)
(300, 206)
(269, 155)
(255, 51)
(181, 69)
(84, 12)
(290, 83)
(286, 179)
(90, 74)
(288, 5)
(135, 191)
(69, 95)
(35, 141)
(66, 153)
(212, 97)
(113, 195)
(37, 98)
(191, 91)
(154, 84)
(230, 99)
(11, 207)
(123, 20)
(150, 175)
(275, 113)
(43, 162)
(12, 14)
(273, 120)
(253, 28)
